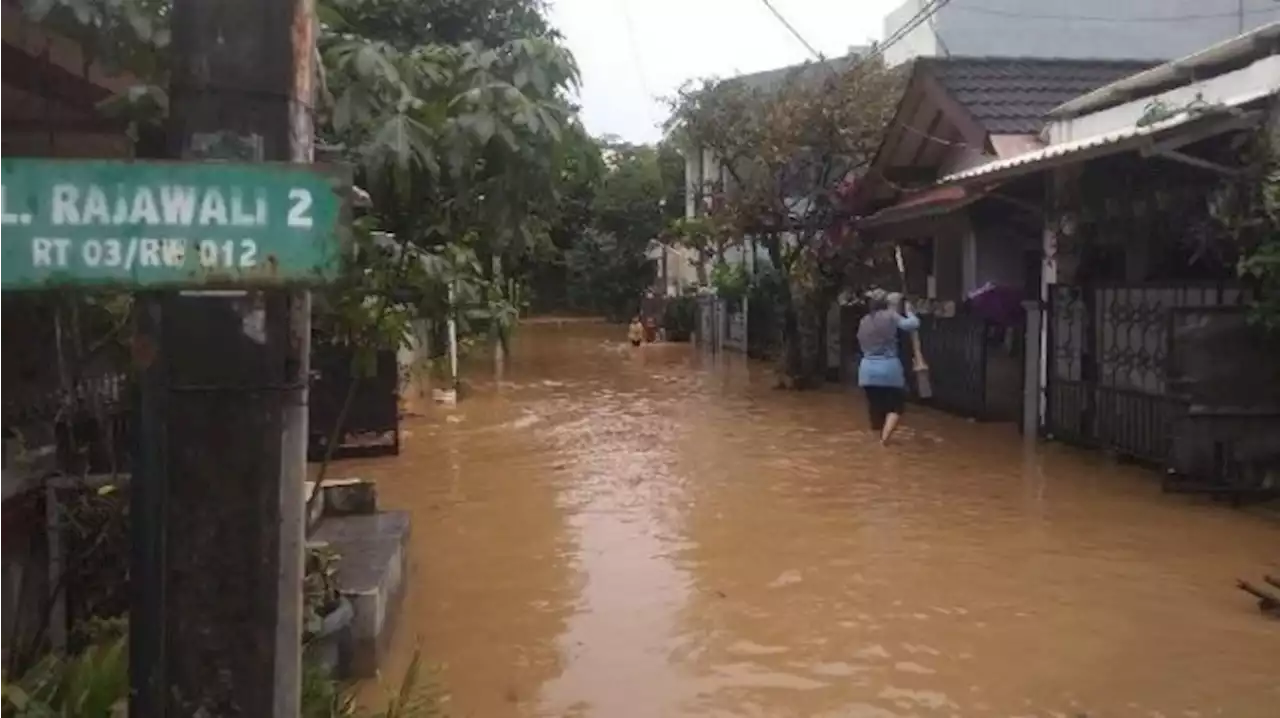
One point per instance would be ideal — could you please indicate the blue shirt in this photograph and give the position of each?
(882, 367)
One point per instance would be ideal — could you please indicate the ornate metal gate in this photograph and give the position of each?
(1106, 356)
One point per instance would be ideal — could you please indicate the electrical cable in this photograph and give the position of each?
(795, 33)
(926, 11)
(933, 138)
(637, 60)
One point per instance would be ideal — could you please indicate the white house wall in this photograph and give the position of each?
(920, 42)
(1261, 75)
(692, 182)
(1081, 29)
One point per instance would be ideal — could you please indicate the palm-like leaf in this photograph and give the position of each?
(403, 141)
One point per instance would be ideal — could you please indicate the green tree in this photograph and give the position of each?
(631, 209)
(606, 275)
(581, 169)
(791, 156)
(459, 147)
(456, 143)
(629, 202)
(614, 200)
(1246, 207)
(489, 23)
(453, 111)
(705, 237)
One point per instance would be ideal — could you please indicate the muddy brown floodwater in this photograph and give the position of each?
(617, 532)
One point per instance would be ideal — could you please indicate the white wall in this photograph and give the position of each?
(1260, 77)
(1086, 29)
(920, 42)
(692, 181)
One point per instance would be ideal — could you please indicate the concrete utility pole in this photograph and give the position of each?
(218, 507)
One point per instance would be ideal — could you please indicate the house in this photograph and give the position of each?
(957, 113)
(1082, 29)
(704, 173)
(1128, 183)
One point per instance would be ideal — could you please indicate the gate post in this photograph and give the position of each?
(1031, 388)
(722, 323)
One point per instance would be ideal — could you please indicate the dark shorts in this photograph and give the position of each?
(635, 342)
(883, 401)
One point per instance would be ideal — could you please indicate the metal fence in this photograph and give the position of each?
(722, 324)
(708, 323)
(956, 350)
(372, 421)
(1106, 352)
(90, 422)
(735, 324)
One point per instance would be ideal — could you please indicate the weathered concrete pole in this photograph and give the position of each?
(216, 629)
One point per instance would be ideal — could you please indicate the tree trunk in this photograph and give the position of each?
(802, 363)
(789, 358)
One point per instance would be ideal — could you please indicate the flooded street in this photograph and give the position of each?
(619, 532)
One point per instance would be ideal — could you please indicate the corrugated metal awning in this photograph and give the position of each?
(1110, 143)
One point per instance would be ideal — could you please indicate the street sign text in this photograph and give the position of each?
(152, 224)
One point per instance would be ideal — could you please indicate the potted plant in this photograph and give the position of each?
(326, 613)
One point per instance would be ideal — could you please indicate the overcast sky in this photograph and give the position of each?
(632, 52)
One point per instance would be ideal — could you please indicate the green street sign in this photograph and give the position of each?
(85, 223)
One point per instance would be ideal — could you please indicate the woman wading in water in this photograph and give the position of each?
(880, 374)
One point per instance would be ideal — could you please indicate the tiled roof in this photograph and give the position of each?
(1109, 143)
(1012, 95)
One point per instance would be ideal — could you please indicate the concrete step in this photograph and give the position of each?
(373, 558)
(342, 497)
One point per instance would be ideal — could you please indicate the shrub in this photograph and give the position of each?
(679, 318)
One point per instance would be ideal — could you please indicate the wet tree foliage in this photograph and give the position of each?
(791, 156)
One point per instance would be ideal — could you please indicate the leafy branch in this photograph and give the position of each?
(790, 157)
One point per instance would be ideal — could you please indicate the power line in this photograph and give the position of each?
(632, 45)
(636, 59)
(903, 29)
(933, 138)
(926, 11)
(795, 33)
(979, 10)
